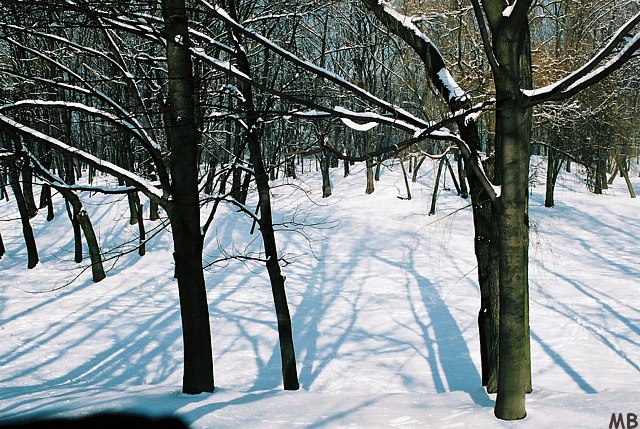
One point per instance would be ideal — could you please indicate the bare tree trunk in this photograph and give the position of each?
(3, 189)
(81, 222)
(346, 164)
(370, 186)
(140, 221)
(434, 196)
(464, 191)
(77, 236)
(376, 176)
(625, 174)
(554, 165)
(414, 176)
(324, 168)
(406, 180)
(287, 351)
(46, 201)
(326, 179)
(453, 176)
(133, 207)
(97, 269)
(153, 211)
(184, 210)
(27, 231)
(513, 133)
(211, 175)
(27, 190)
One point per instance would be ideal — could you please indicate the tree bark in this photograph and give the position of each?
(324, 168)
(77, 236)
(3, 190)
(414, 176)
(27, 190)
(2, 249)
(513, 133)
(406, 180)
(554, 165)
(434, 196)
(27, 231)
(287, 351)
(184, 210)
(625, 174)
(46, 201)
(464, 191)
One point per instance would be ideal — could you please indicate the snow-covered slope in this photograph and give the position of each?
(383, 299)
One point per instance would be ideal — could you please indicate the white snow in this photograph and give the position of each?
(384, 318)
(447, 80)
(352, 124)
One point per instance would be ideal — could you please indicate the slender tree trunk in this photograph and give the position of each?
(97, 269)
(453, 176)
(287, 351)
(625, 174)
(153, 211)
(81, 221)
(77, 236)
(414, 176)
(29, 238)
(211, 175)
(434, 196)
(346, 164)
(133, 207)
(406, 179)
(324, 168)
(27, 190)
(3, 189)
(2, 249)
(376, 175)
(46, 201)
(184, 210)
(142, 249)
(244, 189)
(464, 191)
(370, 189)
(554, 165)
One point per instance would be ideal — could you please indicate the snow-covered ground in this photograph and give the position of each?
(384, 303)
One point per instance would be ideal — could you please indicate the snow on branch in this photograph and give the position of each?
(127, 176)
(312, 68)
(94, 91)
(592, 72)
(365, 120)
(404, 27)
(75, 106)
(56, 181)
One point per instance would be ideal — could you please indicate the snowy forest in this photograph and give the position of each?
(233, 180)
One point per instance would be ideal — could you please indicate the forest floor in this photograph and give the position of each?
(384, 301)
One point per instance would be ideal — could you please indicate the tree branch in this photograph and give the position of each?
(588, 74)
